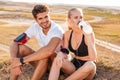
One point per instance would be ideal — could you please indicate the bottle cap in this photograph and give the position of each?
(85, 27)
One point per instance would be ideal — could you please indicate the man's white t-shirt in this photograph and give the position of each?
(36, 31)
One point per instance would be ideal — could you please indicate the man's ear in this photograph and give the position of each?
(35, 19)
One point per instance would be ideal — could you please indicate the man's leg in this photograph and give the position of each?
(13, 76)
(23, 51)
(42, 66)
(40, 69)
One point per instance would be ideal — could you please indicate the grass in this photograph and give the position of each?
(7, 9)
(4, 56)
(108, 30)
(1, 23)
(102, 13)
(111, 23)
(107, 64)
(8, 34)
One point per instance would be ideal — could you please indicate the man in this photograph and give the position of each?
(48, 35)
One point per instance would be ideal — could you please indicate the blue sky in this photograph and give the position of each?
(115, 3)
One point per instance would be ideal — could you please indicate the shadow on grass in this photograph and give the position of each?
(103, 72)
(107, 73)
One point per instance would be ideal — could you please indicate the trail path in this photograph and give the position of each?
(107, 45)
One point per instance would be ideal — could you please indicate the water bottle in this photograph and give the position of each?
(85, 27)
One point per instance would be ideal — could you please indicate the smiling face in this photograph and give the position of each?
(41, 15)
(43, 19)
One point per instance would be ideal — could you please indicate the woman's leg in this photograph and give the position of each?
(58, 63)
(92, 73)
(87, 71)
(55, 69)
(68, 67)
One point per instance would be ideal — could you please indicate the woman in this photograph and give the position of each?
(82, 45)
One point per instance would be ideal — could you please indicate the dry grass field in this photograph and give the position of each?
(12, 24)
(109, 28)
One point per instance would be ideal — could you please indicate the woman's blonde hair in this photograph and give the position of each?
(75, 9)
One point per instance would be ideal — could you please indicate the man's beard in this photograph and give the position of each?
(47, 26)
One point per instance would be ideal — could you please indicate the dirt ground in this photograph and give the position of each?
(108, 67)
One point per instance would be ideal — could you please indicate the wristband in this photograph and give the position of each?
(64, 50)
(22, 60)
(21, 38)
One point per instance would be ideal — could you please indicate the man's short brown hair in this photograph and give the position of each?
(39, 9)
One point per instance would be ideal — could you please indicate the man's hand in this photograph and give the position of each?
(17, 70)
(15, 62)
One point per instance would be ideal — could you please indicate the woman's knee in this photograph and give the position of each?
(92, 70)
(57, 62)
(91, 65)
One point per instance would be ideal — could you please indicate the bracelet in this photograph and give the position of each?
(64, 50)
(22, 60)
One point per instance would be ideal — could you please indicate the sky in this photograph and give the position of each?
(115, 3)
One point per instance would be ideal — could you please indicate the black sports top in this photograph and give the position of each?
(82, 49)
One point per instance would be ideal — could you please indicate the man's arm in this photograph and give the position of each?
(43, 52)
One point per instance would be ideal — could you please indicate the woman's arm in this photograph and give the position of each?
(90, 41)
